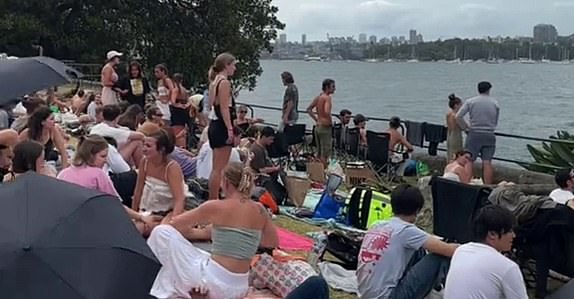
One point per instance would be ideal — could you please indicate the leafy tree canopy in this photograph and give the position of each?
(184, 34)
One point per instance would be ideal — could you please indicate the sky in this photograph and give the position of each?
(433, 18)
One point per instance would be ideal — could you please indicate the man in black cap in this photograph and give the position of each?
(481, 141)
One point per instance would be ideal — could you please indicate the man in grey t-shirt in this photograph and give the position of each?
(392, 262)
(483, 111)
(290, 101)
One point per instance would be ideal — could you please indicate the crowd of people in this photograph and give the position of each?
(136, 148)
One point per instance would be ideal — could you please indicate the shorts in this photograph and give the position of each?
(481, 144)
(217, 134)
(324, 141)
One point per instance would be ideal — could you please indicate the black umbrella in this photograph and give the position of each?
(59, 240)
(26, 75)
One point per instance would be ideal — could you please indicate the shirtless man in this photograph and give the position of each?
(397, 139)
(320, 112)
(460, 169)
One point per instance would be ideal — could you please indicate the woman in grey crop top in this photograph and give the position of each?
(238, 227)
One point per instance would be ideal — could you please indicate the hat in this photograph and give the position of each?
(112, 54)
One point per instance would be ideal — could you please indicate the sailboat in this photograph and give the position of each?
(455, 59)
(491, 59)
(413, 56)
(529, 60)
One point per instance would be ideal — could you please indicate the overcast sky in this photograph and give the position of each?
(433, 18)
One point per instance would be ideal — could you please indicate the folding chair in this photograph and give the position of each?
(294, 136)
(352, 147)
(378, 150)
(454, 208)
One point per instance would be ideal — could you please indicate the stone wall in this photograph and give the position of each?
(501, 172)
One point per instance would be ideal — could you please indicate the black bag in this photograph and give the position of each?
(345, 246)
(278, 191)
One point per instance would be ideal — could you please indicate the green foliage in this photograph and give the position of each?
(551, 156)
(184, 34)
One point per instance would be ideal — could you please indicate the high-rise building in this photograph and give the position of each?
(412, 36)
(402, 40)
(420, 39)
(282, 38)
(373, 39)
(545, 33)
(304, 39)
(362, 38)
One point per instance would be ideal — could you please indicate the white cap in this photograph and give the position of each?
(112, 54)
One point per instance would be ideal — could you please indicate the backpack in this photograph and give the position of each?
(365, 207)
(345, 246)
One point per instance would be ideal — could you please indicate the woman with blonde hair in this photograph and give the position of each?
(237, 227)
(221, 134)
(109, 77)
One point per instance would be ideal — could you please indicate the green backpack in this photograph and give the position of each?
(365, 207)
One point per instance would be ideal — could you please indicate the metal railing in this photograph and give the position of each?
(506, 135)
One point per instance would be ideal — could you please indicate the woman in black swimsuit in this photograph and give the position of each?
(180, 112)
(222, 136)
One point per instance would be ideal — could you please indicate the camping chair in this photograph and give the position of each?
(547, 241)
(352, 146)
(295, 137)
(378, 155)
(454, 208)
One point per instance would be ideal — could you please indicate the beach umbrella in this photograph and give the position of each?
(19, 77)
(60, 240)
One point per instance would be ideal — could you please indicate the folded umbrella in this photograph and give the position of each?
(26, 75)
(63, 241)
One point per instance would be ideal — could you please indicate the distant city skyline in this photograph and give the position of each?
(435, 19)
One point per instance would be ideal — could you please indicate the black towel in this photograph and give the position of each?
(415, 133)
(434, 134)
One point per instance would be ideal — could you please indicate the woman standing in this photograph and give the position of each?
(135, 87)
(454, 137)
(222, 136)
(160, 188)
(42, 128)
(110, 77)
(180, 116)
(166, 91)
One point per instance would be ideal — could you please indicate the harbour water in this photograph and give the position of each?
(535, 99)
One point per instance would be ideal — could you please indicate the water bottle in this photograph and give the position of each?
(319, 247)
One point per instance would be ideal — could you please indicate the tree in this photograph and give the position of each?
(186, 35)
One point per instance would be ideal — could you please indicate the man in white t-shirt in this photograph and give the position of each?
(565, 181)
(478, 270)
(129, 143)
(204, 157)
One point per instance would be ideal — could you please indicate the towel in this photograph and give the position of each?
(415, 133)
(434, 134)
(293, 242)
(339, 278)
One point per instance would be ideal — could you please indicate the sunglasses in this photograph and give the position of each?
(242, 111)
(159, 115)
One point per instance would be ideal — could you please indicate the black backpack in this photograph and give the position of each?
(345, 246)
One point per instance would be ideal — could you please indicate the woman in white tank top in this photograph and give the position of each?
(109, 77)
